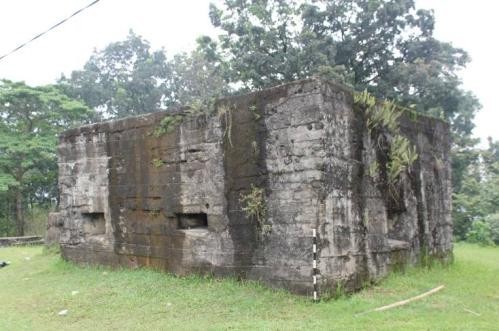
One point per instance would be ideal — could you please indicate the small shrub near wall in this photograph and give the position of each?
(480, 233)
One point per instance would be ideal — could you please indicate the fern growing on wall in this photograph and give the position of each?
(167, 125)
(253, 204)
(384, 116)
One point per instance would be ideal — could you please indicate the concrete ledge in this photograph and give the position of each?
(19, 241)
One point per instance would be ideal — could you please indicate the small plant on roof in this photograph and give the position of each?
(364, 99)
(384, 115)
(167, 125)
(196, 106)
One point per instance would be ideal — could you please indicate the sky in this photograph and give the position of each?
(174, 25)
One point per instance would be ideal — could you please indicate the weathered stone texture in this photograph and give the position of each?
(132, 197)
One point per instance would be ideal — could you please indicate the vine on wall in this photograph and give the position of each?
(225, 113)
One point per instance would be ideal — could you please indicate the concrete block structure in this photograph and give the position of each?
(171, 190)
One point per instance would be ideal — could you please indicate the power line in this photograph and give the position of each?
(49, 29)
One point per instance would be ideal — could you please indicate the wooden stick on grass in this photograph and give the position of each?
(404, 302)
(472, 312)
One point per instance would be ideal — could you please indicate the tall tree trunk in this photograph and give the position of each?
(19, 213)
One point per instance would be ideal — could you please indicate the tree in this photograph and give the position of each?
(124, 79)
(128, 78)
(195, 80)
(258, 54)
(480, 233)
(478, 198)
(467, 206)
(31, 119)
(384, 46)
(493, 222)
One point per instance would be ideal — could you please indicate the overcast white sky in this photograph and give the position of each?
(174, 25)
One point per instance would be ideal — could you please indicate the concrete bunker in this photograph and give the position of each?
(239, 192)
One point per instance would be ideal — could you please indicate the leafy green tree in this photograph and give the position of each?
(490, 158)
(480, 233)
(478, 198)
(195, 80)
(384, 46)
(467, 206)
(388, 48)
(126, 78)
(31, 119)
(493, 221)
(6, 225)
(258, 43)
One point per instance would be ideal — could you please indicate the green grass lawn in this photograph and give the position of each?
(37, 286)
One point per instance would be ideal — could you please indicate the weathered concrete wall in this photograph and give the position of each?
(131, 196)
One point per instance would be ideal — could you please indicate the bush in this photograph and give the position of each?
(493, 222)
(7, 227)
(36, 220)
(480, 233)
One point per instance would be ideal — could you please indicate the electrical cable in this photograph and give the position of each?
(49, 29)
